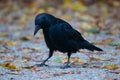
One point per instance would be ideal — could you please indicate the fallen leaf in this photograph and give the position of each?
(57, 59)
(104, 41)
(32, 69)
(94, 66)
(111, 67)
(100, 58)
(26, 58)
(117, 47)
(27, 67)
(73, 60)
(99, 42)
(26, 50)
(4, 34)
(11, 43)
(119, 73)
(24, 38)
(35, 48)
(8, 65)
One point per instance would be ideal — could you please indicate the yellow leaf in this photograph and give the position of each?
(8, 65)
(119, 73)
(4, 34)
(78, 6)
(111, 67)
(67, 3)
(85, 26)
(73, 60)
(12, 43)
(35, 48)
(77, 59)
(73, 5)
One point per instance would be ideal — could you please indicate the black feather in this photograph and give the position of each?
(59, 35)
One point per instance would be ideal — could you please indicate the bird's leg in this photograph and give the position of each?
(43, 63)
(68, 61)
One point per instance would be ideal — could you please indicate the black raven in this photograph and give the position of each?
(59, 35)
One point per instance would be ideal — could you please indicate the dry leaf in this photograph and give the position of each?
(4, 34)
(100, 58)
(10, 43)
(32, 69)
(26, 58)
(73, 60)
(8, 65)
(94, 66)
(117, 47)
(111, 67)
(24, 38)
(35, 48)
(26, 50)
(104, 41)
(119, 73)
(100, 42)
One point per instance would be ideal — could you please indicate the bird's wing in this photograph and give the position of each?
(72, 33)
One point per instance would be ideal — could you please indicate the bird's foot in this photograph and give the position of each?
(42, 64)
(66, 66)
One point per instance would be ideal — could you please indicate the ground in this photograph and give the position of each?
(20, 50)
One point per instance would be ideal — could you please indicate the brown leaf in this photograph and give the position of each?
(104, 41)
(24, 38)
(26, 58)
(101, 58)
(25, 50)
(35, 48)
(117, 47)
(32, 69)
(94, 66)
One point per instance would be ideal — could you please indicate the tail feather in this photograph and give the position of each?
(89, 46)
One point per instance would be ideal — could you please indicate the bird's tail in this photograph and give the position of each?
(89, 46)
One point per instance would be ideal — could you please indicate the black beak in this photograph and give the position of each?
(37, 27)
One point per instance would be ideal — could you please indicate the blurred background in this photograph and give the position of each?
(97, 20)
(87, 16)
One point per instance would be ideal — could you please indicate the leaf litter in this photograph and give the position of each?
(100, 22)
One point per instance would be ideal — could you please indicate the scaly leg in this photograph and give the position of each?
(43, 63)
(68, 61)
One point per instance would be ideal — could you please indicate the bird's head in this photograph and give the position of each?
(42, 21)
